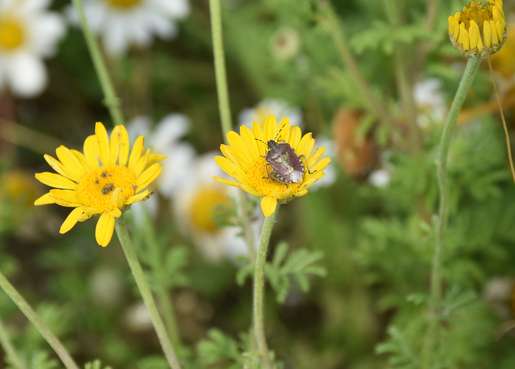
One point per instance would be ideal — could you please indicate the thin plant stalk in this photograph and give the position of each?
(259, 291)
(163, 298)
(224, 108)
(433, 331)
(146, 294)
(7, 346)
(111, 100)
(36, 321)
(374, 104)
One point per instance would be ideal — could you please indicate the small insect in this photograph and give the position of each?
(287, 166)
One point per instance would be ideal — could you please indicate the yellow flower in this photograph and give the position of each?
(101, 180)
(244, 159)
(479, 29)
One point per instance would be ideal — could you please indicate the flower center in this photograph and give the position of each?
(105, 189)
(204, 207)
(259, 177)
(477, 12)
(123, 4)
(12, 34)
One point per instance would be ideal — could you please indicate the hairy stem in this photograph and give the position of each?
(433, 330)
(259, 291)
(36, 321)
(374, 104)
(10, 352)
(163, 297)
(146, 294)
(111, 100)
(224, 108)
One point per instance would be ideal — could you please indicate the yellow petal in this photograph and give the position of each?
(72, 219)
(499, 25)
(46, 199)
(250, 141)
(451, 24)
(270, 128)
(70, 164)
(301, 193)
(239, 148)
(268, 206)
(226, 181)
(464, 38)
(321, 165)
(495, 38)
(55, 164)
(456, 30)
(104, 229)
(149, 176)
(137, 151)
(66, 198)
(123, 155)
(487, 34)
(305, 146)
(81, 158)
(114, 148)
(55, 180)
(91, 151)
(295, 135)
(103, 143)
(138, 197)
(227, 166)
(474, 35)
(316, 155)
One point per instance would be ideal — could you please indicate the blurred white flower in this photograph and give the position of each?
(28, 33)
(380, 178)
(123, 23)
(285, 44)
(330, 172)
(430, 102)
(165, 138)
(269, 107)
(106, 287)
(137, 318)
(197, 205)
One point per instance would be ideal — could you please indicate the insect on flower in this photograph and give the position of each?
(287, 167)
(264, 158)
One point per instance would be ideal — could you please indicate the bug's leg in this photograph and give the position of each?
(304, 162)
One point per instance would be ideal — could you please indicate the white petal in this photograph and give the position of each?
(170, 129)
(26, 75)
(46, 30)
(116, 40)
(177, 169)
(34, 5)
(139, 126)
(175, 8)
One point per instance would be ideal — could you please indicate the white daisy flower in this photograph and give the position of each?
(165, 138)
(197, 206)
(269, 107)
(124, 23)
(28, 33)
(430, 102)
(330, 172)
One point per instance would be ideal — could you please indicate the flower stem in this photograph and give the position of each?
(259, 287)
(146, 294)
(220, 72)
(40, 326)
(163, 298)
(433, 330)
(111, 100)
(224, 107)
(10, 352)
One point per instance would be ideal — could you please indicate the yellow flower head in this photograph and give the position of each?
(245, 160)
(102, 179)
(479, 29)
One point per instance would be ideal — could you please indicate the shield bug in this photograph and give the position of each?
(287, 166)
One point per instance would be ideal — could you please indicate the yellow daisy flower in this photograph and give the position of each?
(245, 160)
(101, 180)
(479, 29)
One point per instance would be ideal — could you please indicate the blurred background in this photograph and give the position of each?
(362, 239)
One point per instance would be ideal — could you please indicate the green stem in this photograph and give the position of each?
(111, 100)
(370, 99)
(40, 326)
(224, 108)
(433, 331)
(163, 298)
(259, 287)
(146, 294)
(220, 73)
(10, 352)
